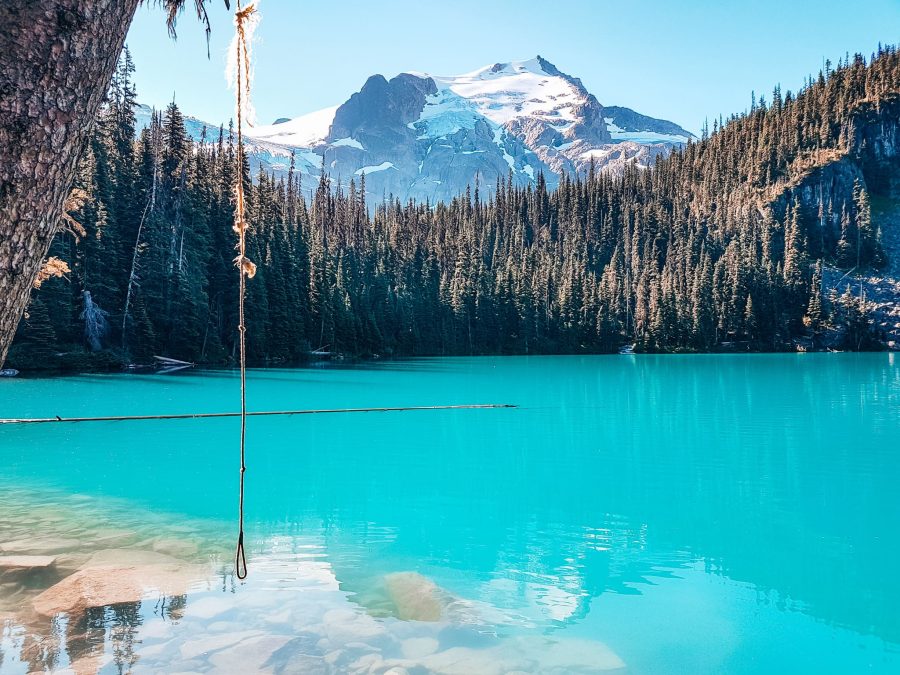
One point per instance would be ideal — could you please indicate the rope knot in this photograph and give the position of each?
(241, 16)
(247, 266)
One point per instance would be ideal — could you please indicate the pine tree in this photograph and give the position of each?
(35, 340)
(815, 313)
(868, 238)
(751, 324)
(854, 320)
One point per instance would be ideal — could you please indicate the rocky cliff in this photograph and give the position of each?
(823, 187)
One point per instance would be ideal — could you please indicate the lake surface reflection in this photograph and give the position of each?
(643, 514)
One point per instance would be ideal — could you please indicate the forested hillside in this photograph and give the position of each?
(721, 245)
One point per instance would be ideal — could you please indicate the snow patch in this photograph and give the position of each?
(612, 126)
(311, 158)
(503, 92)
(646, 137)
(620, 135)
(373, 169)
(348, 143)
(499, 132)
(303, 132)
(444, 114)
(599, 153)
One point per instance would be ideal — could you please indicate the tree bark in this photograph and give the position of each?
(57, 58)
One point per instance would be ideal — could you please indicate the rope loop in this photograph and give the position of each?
(240, 559)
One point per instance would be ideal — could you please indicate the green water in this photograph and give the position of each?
(695, 514)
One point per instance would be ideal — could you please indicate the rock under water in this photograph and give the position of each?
(528, 654)
(116, 576)
(415, 597)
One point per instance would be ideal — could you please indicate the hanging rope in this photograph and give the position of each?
(246, 268)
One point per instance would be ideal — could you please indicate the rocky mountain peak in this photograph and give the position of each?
(382, 103)
(424, 136)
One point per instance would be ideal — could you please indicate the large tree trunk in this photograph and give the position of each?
(57, 58)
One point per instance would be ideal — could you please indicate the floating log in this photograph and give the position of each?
(166, 361)
(263, 413)
(165, 370)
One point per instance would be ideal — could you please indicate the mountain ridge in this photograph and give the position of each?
(427, 137)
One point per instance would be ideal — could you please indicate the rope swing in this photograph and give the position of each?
(244, 21)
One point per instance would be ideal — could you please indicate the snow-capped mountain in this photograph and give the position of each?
(428, 137)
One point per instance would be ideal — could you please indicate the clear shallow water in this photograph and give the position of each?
(688, 513)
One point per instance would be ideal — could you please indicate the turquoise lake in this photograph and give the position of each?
(641, 514)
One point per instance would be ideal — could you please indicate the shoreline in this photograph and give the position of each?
(352, 362)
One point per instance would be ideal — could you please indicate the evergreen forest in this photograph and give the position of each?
(709, 249)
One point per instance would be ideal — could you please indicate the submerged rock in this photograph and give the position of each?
(72, 562)
(522, 654)
(342, 626)
(214, 643)
(129, 556)
(571, 654)
(415, 648)
(116, 576)
(183, 548)
(209, 607)
(248, 656)
(303, 655)
(20, 563)
(304, 664)
(87, 665)
(114, 537)
(367, 663)
(411, 596)
(415, 597)
(40, 546)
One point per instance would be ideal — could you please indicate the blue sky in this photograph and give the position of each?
(683, 61)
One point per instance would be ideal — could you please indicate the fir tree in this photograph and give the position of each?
(35, 342)
(815, 312)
